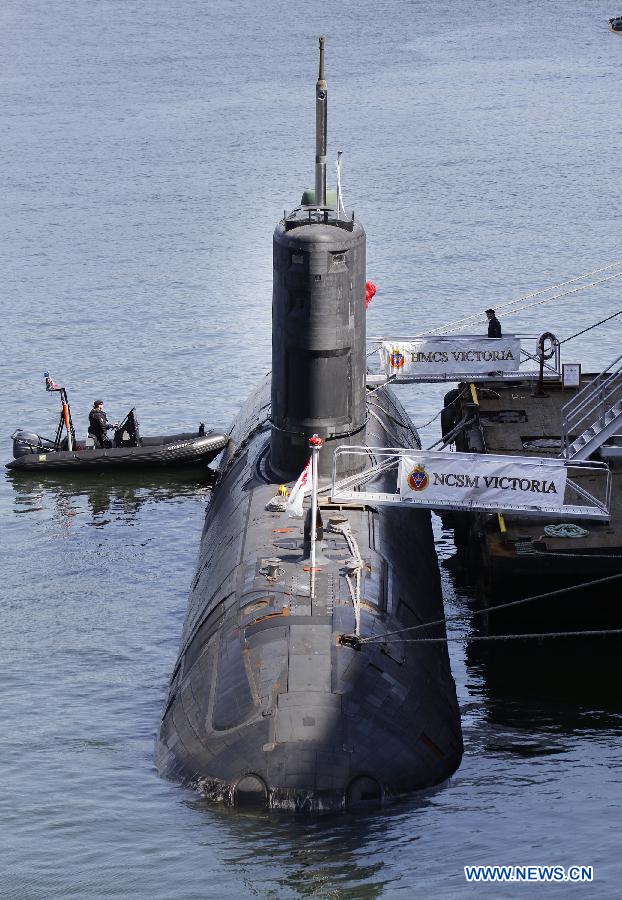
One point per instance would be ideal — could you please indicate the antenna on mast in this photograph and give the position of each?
(340, 207)
(321, 93)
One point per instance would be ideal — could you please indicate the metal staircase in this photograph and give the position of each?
(594, 414)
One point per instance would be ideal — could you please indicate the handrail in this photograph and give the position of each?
(590, 405)
(599, 397)
(355, 488)
(593, 386)
(602, 391)
(463, 337)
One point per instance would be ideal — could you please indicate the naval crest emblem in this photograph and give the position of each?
(397, 359)
(418, 479)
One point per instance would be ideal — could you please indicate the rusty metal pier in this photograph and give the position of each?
(508, 555)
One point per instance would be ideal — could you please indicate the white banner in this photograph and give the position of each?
(503, 482)
(466, 354)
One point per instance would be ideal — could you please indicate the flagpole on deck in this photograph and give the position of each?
(315, 443)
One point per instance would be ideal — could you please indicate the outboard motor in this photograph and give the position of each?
(25, 442)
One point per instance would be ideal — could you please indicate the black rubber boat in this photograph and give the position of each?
(615, 24)
(31, 451)
(127, 449)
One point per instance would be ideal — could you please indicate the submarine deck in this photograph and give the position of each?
(264, 697)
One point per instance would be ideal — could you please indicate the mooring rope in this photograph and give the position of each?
(379, 638)
(392, 434)
(455, 431)
(461, 324)
(571, 555)
(596, 324)
(576, 290)
(440, 412)
(408, 426)
(510, 637)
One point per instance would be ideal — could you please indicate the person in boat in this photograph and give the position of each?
(494, 325)
(99, 424)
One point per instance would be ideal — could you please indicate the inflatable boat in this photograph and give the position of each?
(31, 451)
(127, 449)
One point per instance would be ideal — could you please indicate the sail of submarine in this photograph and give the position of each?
(265, 705)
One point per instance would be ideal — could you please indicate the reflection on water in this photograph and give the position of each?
(331, 856)
(555, 684)
(106, 496)
(559, 684)
(95, 650)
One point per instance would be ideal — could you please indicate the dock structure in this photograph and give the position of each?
(533, 491)
(507, 554)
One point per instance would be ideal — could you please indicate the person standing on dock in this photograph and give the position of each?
(494, 325)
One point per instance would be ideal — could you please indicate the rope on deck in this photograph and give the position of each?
(565, 530)
(353, 577)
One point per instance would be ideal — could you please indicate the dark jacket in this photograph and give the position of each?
(99, 425)
(494, 327)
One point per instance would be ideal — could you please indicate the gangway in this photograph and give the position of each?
(594, 414)
(470, 482)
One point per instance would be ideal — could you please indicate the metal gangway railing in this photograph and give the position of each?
(594, 414)
(375, 479)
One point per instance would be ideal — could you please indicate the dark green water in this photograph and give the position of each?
(148, 151)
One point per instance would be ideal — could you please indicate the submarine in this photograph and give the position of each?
(277, 700)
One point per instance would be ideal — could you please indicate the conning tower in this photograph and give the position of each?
(318, 322)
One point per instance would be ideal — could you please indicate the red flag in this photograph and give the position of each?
(370, 290)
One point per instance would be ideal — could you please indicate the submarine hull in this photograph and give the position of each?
(265, 706)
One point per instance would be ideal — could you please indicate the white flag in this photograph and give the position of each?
(297, 496)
